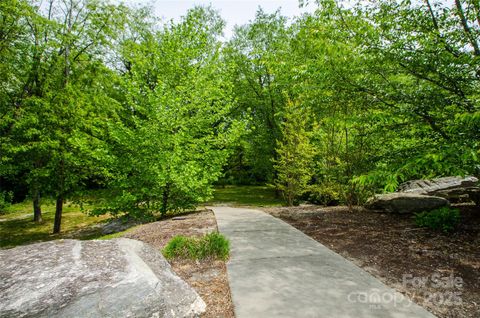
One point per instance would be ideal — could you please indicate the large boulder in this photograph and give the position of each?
(455, 189)
(405, 203)
(112, 278)
(433, 186)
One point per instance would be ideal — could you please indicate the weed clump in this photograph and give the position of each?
(210, 246)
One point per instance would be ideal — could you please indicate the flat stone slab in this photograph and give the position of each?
(268, 244)
(231, 222)
(276, 270)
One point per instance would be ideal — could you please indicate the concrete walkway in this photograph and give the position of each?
(277, 271)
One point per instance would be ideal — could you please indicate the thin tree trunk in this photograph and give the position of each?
(67, 47)
(37, 208)
(58, 214)
(439, 33)
(289, 192)
(466, 28)
(60, 198)
(165, 198)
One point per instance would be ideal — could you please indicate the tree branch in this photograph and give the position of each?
(466, 28)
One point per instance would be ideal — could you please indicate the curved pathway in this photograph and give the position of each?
(277, 271)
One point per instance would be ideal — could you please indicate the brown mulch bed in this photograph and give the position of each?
(208, 277)
(394, 250)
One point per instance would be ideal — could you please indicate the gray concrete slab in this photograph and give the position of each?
(251, 220)
(269, 243)
(258, 224)
(277, 271)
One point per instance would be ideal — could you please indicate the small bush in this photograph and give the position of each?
(5, 200)
(213, 245)
(444, 219)
(325, 194)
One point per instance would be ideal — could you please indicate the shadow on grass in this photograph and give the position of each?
(18, 228)
(246, 196)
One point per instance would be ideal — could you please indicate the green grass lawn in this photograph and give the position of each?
(17, 227)
(245, 196)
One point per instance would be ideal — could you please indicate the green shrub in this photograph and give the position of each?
(213, 245)
(325, 194)
(5, 200)
(444, 219)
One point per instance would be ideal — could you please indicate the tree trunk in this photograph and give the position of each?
(58, 214)
(60, 197)
(59, 205)
(165, 197)
(290, 195)
(37, 208)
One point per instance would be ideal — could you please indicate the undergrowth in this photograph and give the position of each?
(444, 219)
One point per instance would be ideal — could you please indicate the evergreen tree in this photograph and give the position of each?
(294, 163)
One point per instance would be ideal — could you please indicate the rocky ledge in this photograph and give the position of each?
(425, 195)
(404, 203)
(112, 278)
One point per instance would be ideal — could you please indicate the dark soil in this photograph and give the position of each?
(392, 248)
(207, 277)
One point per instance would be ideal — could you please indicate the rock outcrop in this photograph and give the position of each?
(454, 189)
(405, 203)
(111, 278)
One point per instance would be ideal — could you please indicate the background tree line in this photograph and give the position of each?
(329, 107)
(100, 95)
(389, 91)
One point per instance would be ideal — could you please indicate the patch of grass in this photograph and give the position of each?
(444, 219)
(246, 195)
(17, 226)
(213, 246)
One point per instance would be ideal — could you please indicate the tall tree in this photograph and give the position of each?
(58, 114)
(174, 134)
(423, 67)
(398, 80)
(294, 163)
(18, 71)
(256, 54)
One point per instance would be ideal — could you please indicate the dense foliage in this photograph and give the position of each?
(331, 106)
(393, 86)
(174, 133)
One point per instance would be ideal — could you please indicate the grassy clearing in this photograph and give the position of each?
(246, 196)
(17, 227)
(210, 246)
